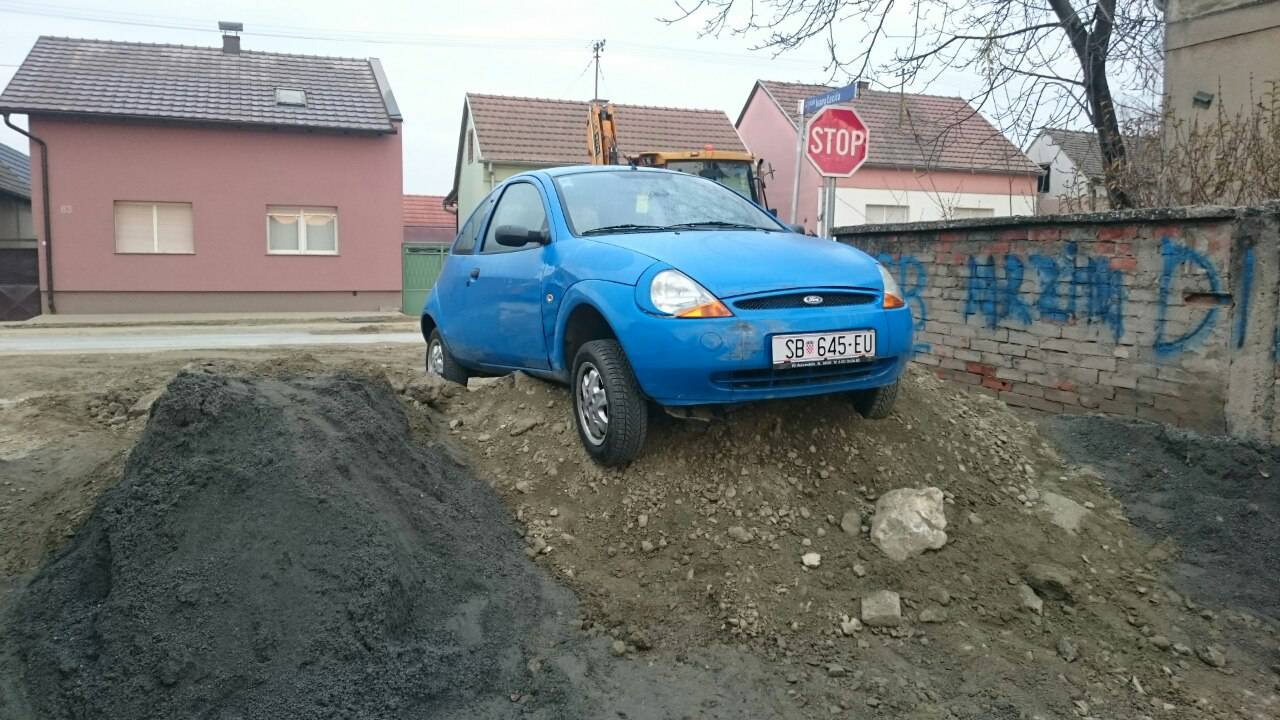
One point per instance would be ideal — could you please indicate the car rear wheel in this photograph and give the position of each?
(610, 412)
(441, 362)
(876, 403)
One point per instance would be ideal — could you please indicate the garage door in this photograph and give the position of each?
(19, 284)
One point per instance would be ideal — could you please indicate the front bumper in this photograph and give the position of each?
(726, 360)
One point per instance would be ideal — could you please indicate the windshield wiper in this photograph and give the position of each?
(625, 228)
(722, 224)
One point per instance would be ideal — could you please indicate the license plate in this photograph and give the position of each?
(823, 348)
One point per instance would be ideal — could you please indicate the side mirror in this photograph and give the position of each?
(519, 236)
(798, 229)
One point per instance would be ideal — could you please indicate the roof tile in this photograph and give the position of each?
(554, 132)
(197, 84)
(15, 172)
(427, 211)
(919, 131)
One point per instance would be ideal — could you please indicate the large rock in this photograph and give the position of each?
(909, 521)
(1064, 512)
(882, 608)
(1051, 581)
(430, 389)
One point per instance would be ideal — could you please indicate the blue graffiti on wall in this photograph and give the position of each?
(996, 298)
(1100, 287)
(1174, 256)
(911, 277)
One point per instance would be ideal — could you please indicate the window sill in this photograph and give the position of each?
(120, 252)
(286, 253)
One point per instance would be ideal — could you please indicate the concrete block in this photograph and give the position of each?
(1036, 403)
(1120, 380)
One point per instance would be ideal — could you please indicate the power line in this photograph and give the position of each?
(373, 38)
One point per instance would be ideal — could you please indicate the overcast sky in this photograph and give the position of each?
(435, 52)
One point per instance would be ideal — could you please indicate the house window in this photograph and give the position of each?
(302, 230)
(877, 214)
(471, 146)
(1043, 183)
(961, 213)
(154, 228)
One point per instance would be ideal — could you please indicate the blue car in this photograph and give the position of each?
(642, 287)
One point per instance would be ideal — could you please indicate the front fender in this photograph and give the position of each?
(431, 314)
(613, 300)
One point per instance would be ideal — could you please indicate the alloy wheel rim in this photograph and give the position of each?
(593, 404)
(435, 358)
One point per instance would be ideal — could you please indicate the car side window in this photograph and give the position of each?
(466, 242)
(521, 206)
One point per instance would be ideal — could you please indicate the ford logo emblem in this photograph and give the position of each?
(812, 299)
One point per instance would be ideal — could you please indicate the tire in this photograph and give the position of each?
(876, 403)
(445, 365)
(601, 374)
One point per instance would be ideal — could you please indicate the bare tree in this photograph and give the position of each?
(1040, 62)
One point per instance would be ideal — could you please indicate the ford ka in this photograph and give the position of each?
(644, 289)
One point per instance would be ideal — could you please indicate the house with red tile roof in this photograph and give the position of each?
(930, 158)
(427, 221)
(501, 136)
(200, 179)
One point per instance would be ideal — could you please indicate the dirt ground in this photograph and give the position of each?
(690, 558)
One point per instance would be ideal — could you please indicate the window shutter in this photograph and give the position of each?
(282, 229)
(135, 229)
(173, 228)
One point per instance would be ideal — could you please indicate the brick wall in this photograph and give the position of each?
(1168, 315)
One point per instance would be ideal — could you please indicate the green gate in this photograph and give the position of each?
(419, 266)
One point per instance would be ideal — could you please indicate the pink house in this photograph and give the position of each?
(931, 158)
(189, 179)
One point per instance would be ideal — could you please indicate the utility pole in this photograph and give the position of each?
(597, 47)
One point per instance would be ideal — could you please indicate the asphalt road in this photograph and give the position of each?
(153, 339)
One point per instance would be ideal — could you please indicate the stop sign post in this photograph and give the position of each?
(835, 141)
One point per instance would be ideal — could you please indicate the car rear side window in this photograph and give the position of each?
(466, 242)
(521, 206)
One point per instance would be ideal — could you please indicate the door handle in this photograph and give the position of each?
(475, 273)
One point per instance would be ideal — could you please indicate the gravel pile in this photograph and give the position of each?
(281, 549)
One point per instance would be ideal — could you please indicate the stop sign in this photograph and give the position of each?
(836, 141)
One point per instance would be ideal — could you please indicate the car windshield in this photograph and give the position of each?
(646, 201)
(735, 175)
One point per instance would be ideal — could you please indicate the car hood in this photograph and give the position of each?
(740, 262)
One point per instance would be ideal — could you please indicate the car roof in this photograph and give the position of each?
(561, 171)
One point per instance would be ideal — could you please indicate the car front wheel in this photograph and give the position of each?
(441, 362)
(610, 412)
(876, 403)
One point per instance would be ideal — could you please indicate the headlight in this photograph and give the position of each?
(892, 293)
(677, 294)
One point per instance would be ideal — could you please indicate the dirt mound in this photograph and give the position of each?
(278, 549)
(1217, 499)
(700, 543)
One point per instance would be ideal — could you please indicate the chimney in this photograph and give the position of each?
(864, 85)
(230, 36)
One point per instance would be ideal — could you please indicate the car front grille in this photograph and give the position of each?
(796, 300)
(804, 376)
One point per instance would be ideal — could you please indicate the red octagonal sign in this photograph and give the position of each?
(836, 141)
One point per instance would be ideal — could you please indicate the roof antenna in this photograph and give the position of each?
(597, 47)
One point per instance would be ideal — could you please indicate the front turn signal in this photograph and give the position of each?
(892, 293)
(715, 309)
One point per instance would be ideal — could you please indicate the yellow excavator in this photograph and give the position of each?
(732, 168)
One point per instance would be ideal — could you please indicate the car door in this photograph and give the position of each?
(506, 283)
(458, 315)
